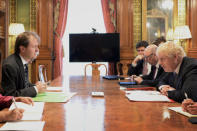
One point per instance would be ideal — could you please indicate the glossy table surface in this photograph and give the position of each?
(113, 112)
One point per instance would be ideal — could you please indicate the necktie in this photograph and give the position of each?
(156, 71)
(145, 68)
(26, 75)
(153, 71)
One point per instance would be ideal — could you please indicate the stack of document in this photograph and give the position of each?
(32, 116)
(140, 95)
(179, 110)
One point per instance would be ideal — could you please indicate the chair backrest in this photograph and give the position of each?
(95, 71)
(123, 66)
(42, 73)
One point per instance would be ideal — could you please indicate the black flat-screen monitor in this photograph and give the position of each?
(94, 47)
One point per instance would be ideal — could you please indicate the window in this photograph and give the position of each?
(83, 15)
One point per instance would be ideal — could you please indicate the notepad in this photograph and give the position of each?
(31, 112)
(179, 110)
(23, 126)
(140, 95)
(53, 97)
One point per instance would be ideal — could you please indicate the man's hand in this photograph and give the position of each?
(137, 58)
(165, 89)
(192, 109)
(132, 78)
(186, 103)
(138, 79)
(41, 87)
(26, 100)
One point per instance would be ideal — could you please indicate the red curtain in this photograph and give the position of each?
(109, 13)
(60, 10)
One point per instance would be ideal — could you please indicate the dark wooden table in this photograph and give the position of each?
(113, 112)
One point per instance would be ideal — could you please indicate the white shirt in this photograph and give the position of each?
(156, 70)
(25, 62)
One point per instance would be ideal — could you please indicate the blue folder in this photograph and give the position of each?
(113, 77)
(127, 83)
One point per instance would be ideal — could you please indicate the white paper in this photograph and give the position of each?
(140, 95)
(50, 88)
(179, 110)
(127, 78)
(123, 88)
(31, 112)
(24, 125)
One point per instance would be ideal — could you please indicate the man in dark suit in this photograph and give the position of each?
(15, 81)
(139, 66)
(157, 71)
(173, 59)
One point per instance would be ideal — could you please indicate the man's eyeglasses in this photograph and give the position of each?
(146, 57)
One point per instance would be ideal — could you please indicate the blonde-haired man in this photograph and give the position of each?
(173, 59)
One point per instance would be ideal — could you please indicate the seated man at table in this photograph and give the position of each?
(15, 114)
(15, 80)
(172, 58)
(139, 66)
(190, 106)
(156, 70)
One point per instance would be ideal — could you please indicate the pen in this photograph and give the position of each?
(186, 95)
(133, 78)
(14, 102)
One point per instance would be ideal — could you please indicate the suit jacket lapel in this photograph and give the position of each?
(159, 72)
(178, 79)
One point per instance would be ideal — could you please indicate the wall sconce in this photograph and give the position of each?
(14, 30)
(182, 33)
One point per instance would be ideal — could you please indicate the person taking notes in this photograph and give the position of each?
(15, 114)
(172, 58)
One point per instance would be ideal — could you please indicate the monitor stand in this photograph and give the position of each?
(95, 71)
